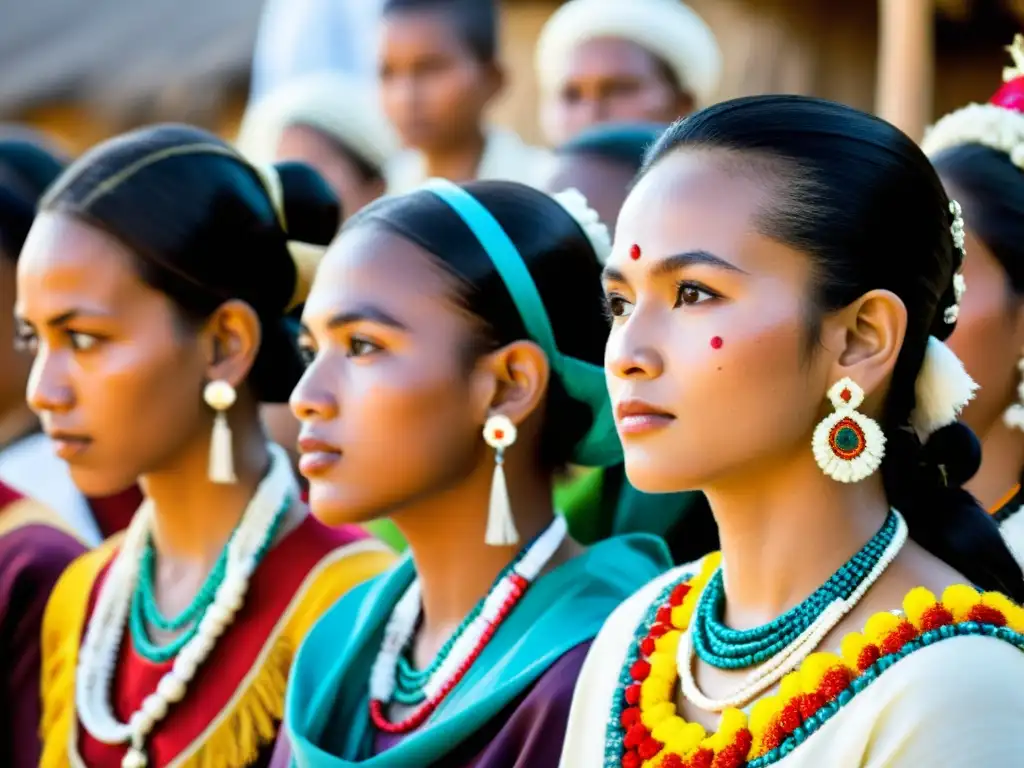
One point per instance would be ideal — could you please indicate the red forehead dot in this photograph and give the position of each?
(634, 252)
(717, 342)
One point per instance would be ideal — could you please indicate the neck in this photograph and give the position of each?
(446, 538)
(16, 421)
(194, 517)
(458, 162)
(1002, 451)
(794, 526)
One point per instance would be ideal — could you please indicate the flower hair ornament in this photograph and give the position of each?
(583, 381)
(576, 205)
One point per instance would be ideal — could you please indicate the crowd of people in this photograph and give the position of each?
(376, 436)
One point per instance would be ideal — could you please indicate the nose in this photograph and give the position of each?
(629, 356)
(311, 400)
(49, 388)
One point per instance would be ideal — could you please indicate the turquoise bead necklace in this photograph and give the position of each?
(409, 681)
(145, 612)
(726, 648)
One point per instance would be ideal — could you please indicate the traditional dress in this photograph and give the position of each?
(509, 709)
(35, 547)
(1007, 514)
(230, 715)
(506, 157)
(934, 682)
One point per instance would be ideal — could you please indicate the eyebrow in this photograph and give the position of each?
(65, 317)
(677, 262)
(363, 314)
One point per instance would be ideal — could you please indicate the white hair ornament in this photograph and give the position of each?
(576, 205)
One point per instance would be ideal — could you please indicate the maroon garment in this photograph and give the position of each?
(32, 557)
(526, 734)
(113, 513)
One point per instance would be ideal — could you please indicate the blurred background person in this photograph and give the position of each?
(600, 61)
(439, 73)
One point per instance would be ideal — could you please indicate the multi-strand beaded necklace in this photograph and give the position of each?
(393, 679)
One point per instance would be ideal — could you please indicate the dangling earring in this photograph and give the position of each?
(220, 396)
(848, 445)
(500, 433)
(1014, 415)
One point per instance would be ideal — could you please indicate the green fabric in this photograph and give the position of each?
(326, 710)
(388, 532)
(584, 381)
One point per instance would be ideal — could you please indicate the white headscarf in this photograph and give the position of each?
(343, 107)
(669, 29)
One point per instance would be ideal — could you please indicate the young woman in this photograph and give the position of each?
(152, 289)
(454, 338)
(439, 72)
(979, 153)
(785, 273)
(602, 61)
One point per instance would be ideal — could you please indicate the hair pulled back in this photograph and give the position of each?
(993, 191)
(864, 203)
(560, 260)
(204, 229)
(27, 168)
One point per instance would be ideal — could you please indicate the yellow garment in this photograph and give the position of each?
(251, 719)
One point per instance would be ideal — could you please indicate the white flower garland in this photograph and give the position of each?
(576, 205)
(106, 628)
(406, 615)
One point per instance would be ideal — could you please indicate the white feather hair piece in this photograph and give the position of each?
(576, 205)
(943, 389)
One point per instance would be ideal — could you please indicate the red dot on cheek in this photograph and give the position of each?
(717, 342)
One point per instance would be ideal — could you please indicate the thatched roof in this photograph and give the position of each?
(126, 56)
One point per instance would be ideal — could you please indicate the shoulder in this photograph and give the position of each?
(70, 598)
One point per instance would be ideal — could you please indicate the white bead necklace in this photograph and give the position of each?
(406, 614)
(790, 657)
(100, 651)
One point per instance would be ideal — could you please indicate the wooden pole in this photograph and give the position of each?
(906, 64)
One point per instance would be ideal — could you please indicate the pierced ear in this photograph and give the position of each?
(870, 335)
(232, 336)
(520, 375)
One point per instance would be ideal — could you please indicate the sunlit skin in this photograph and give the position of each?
(612, 80)
(434, 91)
(117, 383)
(740, 418)
(989, 339)
(305, 144)
(393, 405)
(16, 419)
(603, 182)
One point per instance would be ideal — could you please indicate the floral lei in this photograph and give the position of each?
(646, 730)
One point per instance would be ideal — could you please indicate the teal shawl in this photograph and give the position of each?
(327, 710)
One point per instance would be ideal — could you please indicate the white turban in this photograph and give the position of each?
(342, 107)
(668, 29)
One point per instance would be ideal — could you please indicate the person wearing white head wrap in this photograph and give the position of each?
(331, 121)
(613, 61)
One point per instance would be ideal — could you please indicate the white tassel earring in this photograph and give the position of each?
(220, 396)
(500, 433)
(1014, 415)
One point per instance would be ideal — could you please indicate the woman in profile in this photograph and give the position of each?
(785, 273)
(152, 291)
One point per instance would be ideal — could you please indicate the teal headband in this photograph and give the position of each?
(584, 381)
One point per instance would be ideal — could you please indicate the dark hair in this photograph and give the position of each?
(27, 168)
(202, 226)
(558, 256)
(862, 200)
(624, 143)
(994, 190)
(474, 21)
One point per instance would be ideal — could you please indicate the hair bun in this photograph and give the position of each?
(954, 453)
(312, 211)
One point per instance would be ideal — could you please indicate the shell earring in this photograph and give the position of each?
(220, 396)
(848, 445)
(500, 434)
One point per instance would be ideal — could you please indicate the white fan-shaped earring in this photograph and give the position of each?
(500, 434)
(848, 445)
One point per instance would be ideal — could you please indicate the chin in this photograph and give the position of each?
(97, 484)
(333, 507)
(658, 476)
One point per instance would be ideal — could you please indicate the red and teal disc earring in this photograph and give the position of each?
(848, 445)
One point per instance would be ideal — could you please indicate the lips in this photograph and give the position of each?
(69, 446)
(318, 456)
(637, 416)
